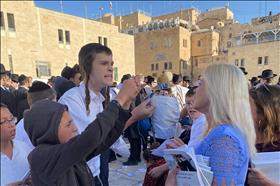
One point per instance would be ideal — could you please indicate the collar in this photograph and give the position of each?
(92, 94)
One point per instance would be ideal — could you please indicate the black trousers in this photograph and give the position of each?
(135, 148)
(134, 138)
(97, 181)
(104, 169)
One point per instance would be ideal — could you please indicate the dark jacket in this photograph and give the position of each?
(8, 98)
(62, 85)
(22, 104)
(53, 163)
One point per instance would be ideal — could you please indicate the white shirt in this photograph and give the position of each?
(197, 131)
(180, 94)
(21, 134)
(75, 100)
(148, 90)
(165, 116)
(13, 170)
(113, 92)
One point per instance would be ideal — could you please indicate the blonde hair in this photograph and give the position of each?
(166, 77)
(228, 93)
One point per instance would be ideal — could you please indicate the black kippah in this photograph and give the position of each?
(38, 86)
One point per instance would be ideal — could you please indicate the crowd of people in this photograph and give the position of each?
(68, 130)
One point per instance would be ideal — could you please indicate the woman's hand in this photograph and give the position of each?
(257, 178)
(171, 178)
(158, 171)
(176, 142)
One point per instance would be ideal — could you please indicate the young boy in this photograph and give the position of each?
(199, 120)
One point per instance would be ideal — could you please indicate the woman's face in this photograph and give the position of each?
(102, 71)
(201, 101)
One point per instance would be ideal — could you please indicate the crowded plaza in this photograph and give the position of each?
(78, 124)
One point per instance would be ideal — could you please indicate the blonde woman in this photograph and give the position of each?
(230, 141)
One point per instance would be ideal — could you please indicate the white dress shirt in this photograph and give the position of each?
(75, 100)
(197, 131)
(21, 134)
(13, 170)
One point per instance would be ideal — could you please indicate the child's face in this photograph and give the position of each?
(8, 127)
(66, 129)
(194, 114)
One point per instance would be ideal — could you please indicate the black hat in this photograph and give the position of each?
(3, 70)
(186, 78)
(266, 74)
(243, 70)
(14, 78)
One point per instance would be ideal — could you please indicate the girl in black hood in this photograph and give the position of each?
(60, 155)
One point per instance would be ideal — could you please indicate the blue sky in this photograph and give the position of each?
(243, 10)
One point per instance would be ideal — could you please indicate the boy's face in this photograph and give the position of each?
(8, 127)
(194, 114)
(102, 71)
(66, 129)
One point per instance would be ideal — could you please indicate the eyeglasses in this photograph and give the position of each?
(11, 121)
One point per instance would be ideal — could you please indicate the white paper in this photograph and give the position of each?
(186, 178)
(203, 174)
(159, 151)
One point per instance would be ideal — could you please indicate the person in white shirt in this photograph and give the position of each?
(85, 102)
(38, 91)
(165, 117)
(14, 163)
(179, 91)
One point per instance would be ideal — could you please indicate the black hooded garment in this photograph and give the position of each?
(53, 163)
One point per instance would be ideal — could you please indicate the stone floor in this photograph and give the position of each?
(126, 175)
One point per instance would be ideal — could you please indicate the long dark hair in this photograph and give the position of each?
(267, 101)
(87, 55)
